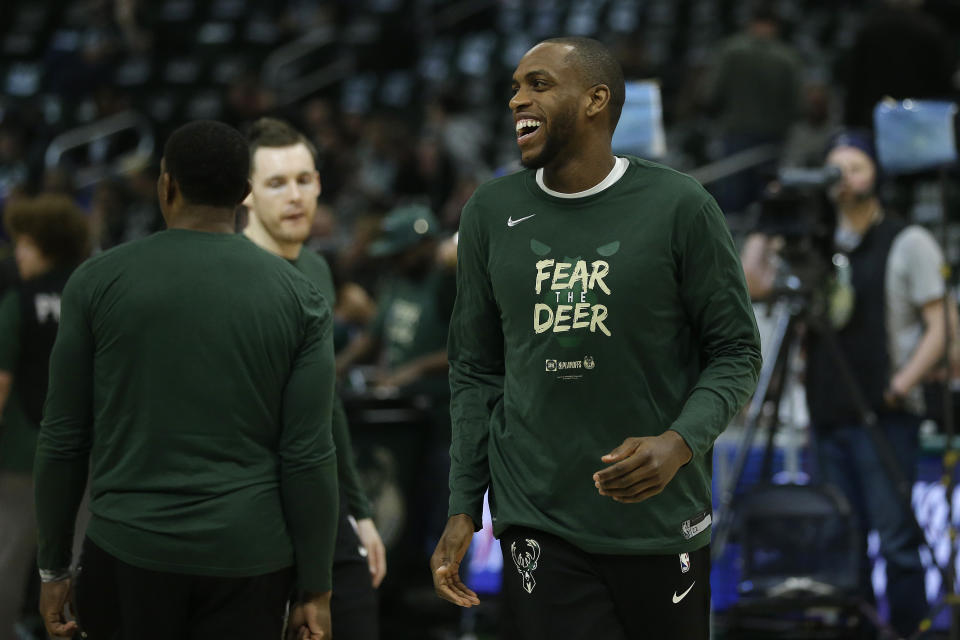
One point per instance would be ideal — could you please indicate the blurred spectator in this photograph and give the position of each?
(900, 52)
(754, 90)
(809, 136)
(413, 309)
(50, 238)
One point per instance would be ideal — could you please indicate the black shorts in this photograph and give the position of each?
(552, 589)
(116, 601)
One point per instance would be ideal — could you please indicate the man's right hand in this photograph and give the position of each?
(54, 597)
(310, 619)
(446, 559)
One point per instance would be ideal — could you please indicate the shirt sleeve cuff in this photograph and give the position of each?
(55, 575)
(475, 511)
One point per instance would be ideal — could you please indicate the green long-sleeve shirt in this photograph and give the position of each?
(580, 322)
(196, 372)
(312, 265)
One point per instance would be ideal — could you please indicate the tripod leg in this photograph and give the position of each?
(784, 314)
(779, 382)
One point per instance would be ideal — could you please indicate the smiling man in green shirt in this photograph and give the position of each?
(602, 338)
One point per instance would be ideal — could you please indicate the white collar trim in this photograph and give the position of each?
(619, 168)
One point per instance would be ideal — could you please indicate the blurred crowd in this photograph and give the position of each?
(778, 77)
(787, 74)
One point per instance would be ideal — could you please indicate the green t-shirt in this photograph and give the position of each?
(18, 434)
(580, 322)
(197, 372)
(413, 318)
(313, 265)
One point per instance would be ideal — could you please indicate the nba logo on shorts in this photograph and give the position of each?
(684, 562)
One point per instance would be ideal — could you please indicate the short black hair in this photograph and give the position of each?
(597, 65)
(210, 163)
(273, 132)
(55, 224)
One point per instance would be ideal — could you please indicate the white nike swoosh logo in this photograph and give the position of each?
(678, 598)
(512, 223)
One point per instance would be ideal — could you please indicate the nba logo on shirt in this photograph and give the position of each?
(684, 562)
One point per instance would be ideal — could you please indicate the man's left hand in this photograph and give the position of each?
(376, 553)
(54, 597)
(640, 468)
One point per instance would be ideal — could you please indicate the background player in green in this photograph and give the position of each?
(414, 302)
(602, 338)
(281, 206)
(409, 337)
(193, 373)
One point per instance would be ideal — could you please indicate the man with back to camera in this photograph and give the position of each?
(601, 339)
(282, 203)
(195, 373)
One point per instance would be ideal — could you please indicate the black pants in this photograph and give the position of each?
(117, 601)
(354, 607)
(552, 589)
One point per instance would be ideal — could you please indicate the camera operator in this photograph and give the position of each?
(885, 301)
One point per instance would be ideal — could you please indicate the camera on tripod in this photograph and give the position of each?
(795, 208)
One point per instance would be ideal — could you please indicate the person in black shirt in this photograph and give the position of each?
(50, 238)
